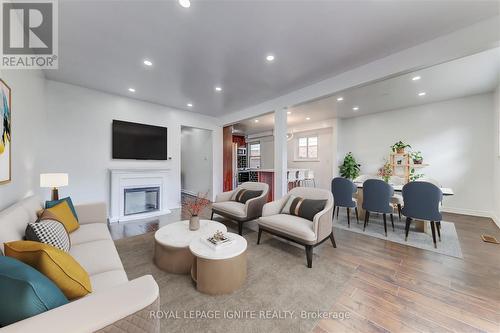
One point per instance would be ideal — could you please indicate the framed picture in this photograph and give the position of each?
(5, 133)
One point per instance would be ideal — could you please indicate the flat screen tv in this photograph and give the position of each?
(138, 141)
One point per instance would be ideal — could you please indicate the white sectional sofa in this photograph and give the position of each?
(115, 305)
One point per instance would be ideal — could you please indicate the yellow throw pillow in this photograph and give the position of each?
(63, 213)
(57, 265)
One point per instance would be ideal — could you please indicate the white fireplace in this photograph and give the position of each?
(138, 193)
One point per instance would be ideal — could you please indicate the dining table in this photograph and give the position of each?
(420, 226)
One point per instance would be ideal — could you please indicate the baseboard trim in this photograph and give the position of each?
(495, 219)
(465, 211)
(473, 212)
(189, 192)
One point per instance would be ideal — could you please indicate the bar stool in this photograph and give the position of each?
(301, 177)
(310, 178)
(291, 178)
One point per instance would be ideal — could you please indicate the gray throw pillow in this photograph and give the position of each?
(305, 208)
(243, 195)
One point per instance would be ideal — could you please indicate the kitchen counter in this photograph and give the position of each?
(256, 170)
(268, 170)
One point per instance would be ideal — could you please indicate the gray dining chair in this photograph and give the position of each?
(377, 196)
(421, 201)
(343, 189)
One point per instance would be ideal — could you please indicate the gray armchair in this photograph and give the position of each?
(296, 229)
(238, 211)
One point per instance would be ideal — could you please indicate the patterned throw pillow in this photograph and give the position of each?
(305, 208)
(50, 232)
(243, 195)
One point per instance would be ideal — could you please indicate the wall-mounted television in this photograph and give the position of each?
(139, 141)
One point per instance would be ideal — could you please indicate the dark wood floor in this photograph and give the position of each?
(397, 288)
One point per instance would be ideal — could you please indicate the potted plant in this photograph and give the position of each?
(194, 206)
(385, 172)
(414, 176)
(417, 157)
(399, 147)
(349, 168)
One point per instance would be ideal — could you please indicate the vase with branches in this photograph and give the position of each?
(385, 172)
(349, 168)
(194, 205)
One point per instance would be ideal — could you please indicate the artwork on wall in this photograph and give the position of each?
(5, 133)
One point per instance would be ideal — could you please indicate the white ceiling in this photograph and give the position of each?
(466, 76)
(475, 74)
(250, 126)
(102, 44)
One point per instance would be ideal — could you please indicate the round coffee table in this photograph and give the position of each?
(222, 270)
(172, 241)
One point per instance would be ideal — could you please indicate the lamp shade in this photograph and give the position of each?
(53, 179)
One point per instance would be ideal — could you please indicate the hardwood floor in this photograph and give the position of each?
(397, 288)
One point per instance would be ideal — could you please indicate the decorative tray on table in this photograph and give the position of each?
(218, 240)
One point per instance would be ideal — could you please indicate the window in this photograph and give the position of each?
(307, 148)
(254, 155)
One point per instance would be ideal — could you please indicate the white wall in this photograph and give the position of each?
(196, 160)
(267, 152)
(28, 133)
(266, 148)
(80, 142)
(496, 157)
(323, 167)
(454, 136)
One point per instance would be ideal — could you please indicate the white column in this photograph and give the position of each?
(334, 143)
(280, 153)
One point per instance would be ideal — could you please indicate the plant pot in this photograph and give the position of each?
(194, 223)
(400, 150)
(418, 161)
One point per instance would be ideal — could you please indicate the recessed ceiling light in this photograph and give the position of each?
(416, 78)
(256, 120)
(423, 93)
(185, 3)
(340, 99)
(190, 105)
(218, 89)
(307, 118)
(270, 57)
(289, 112)
(356, 108)
(132, 90)
(147, 62)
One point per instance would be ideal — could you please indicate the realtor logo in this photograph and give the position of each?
(29, 34)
